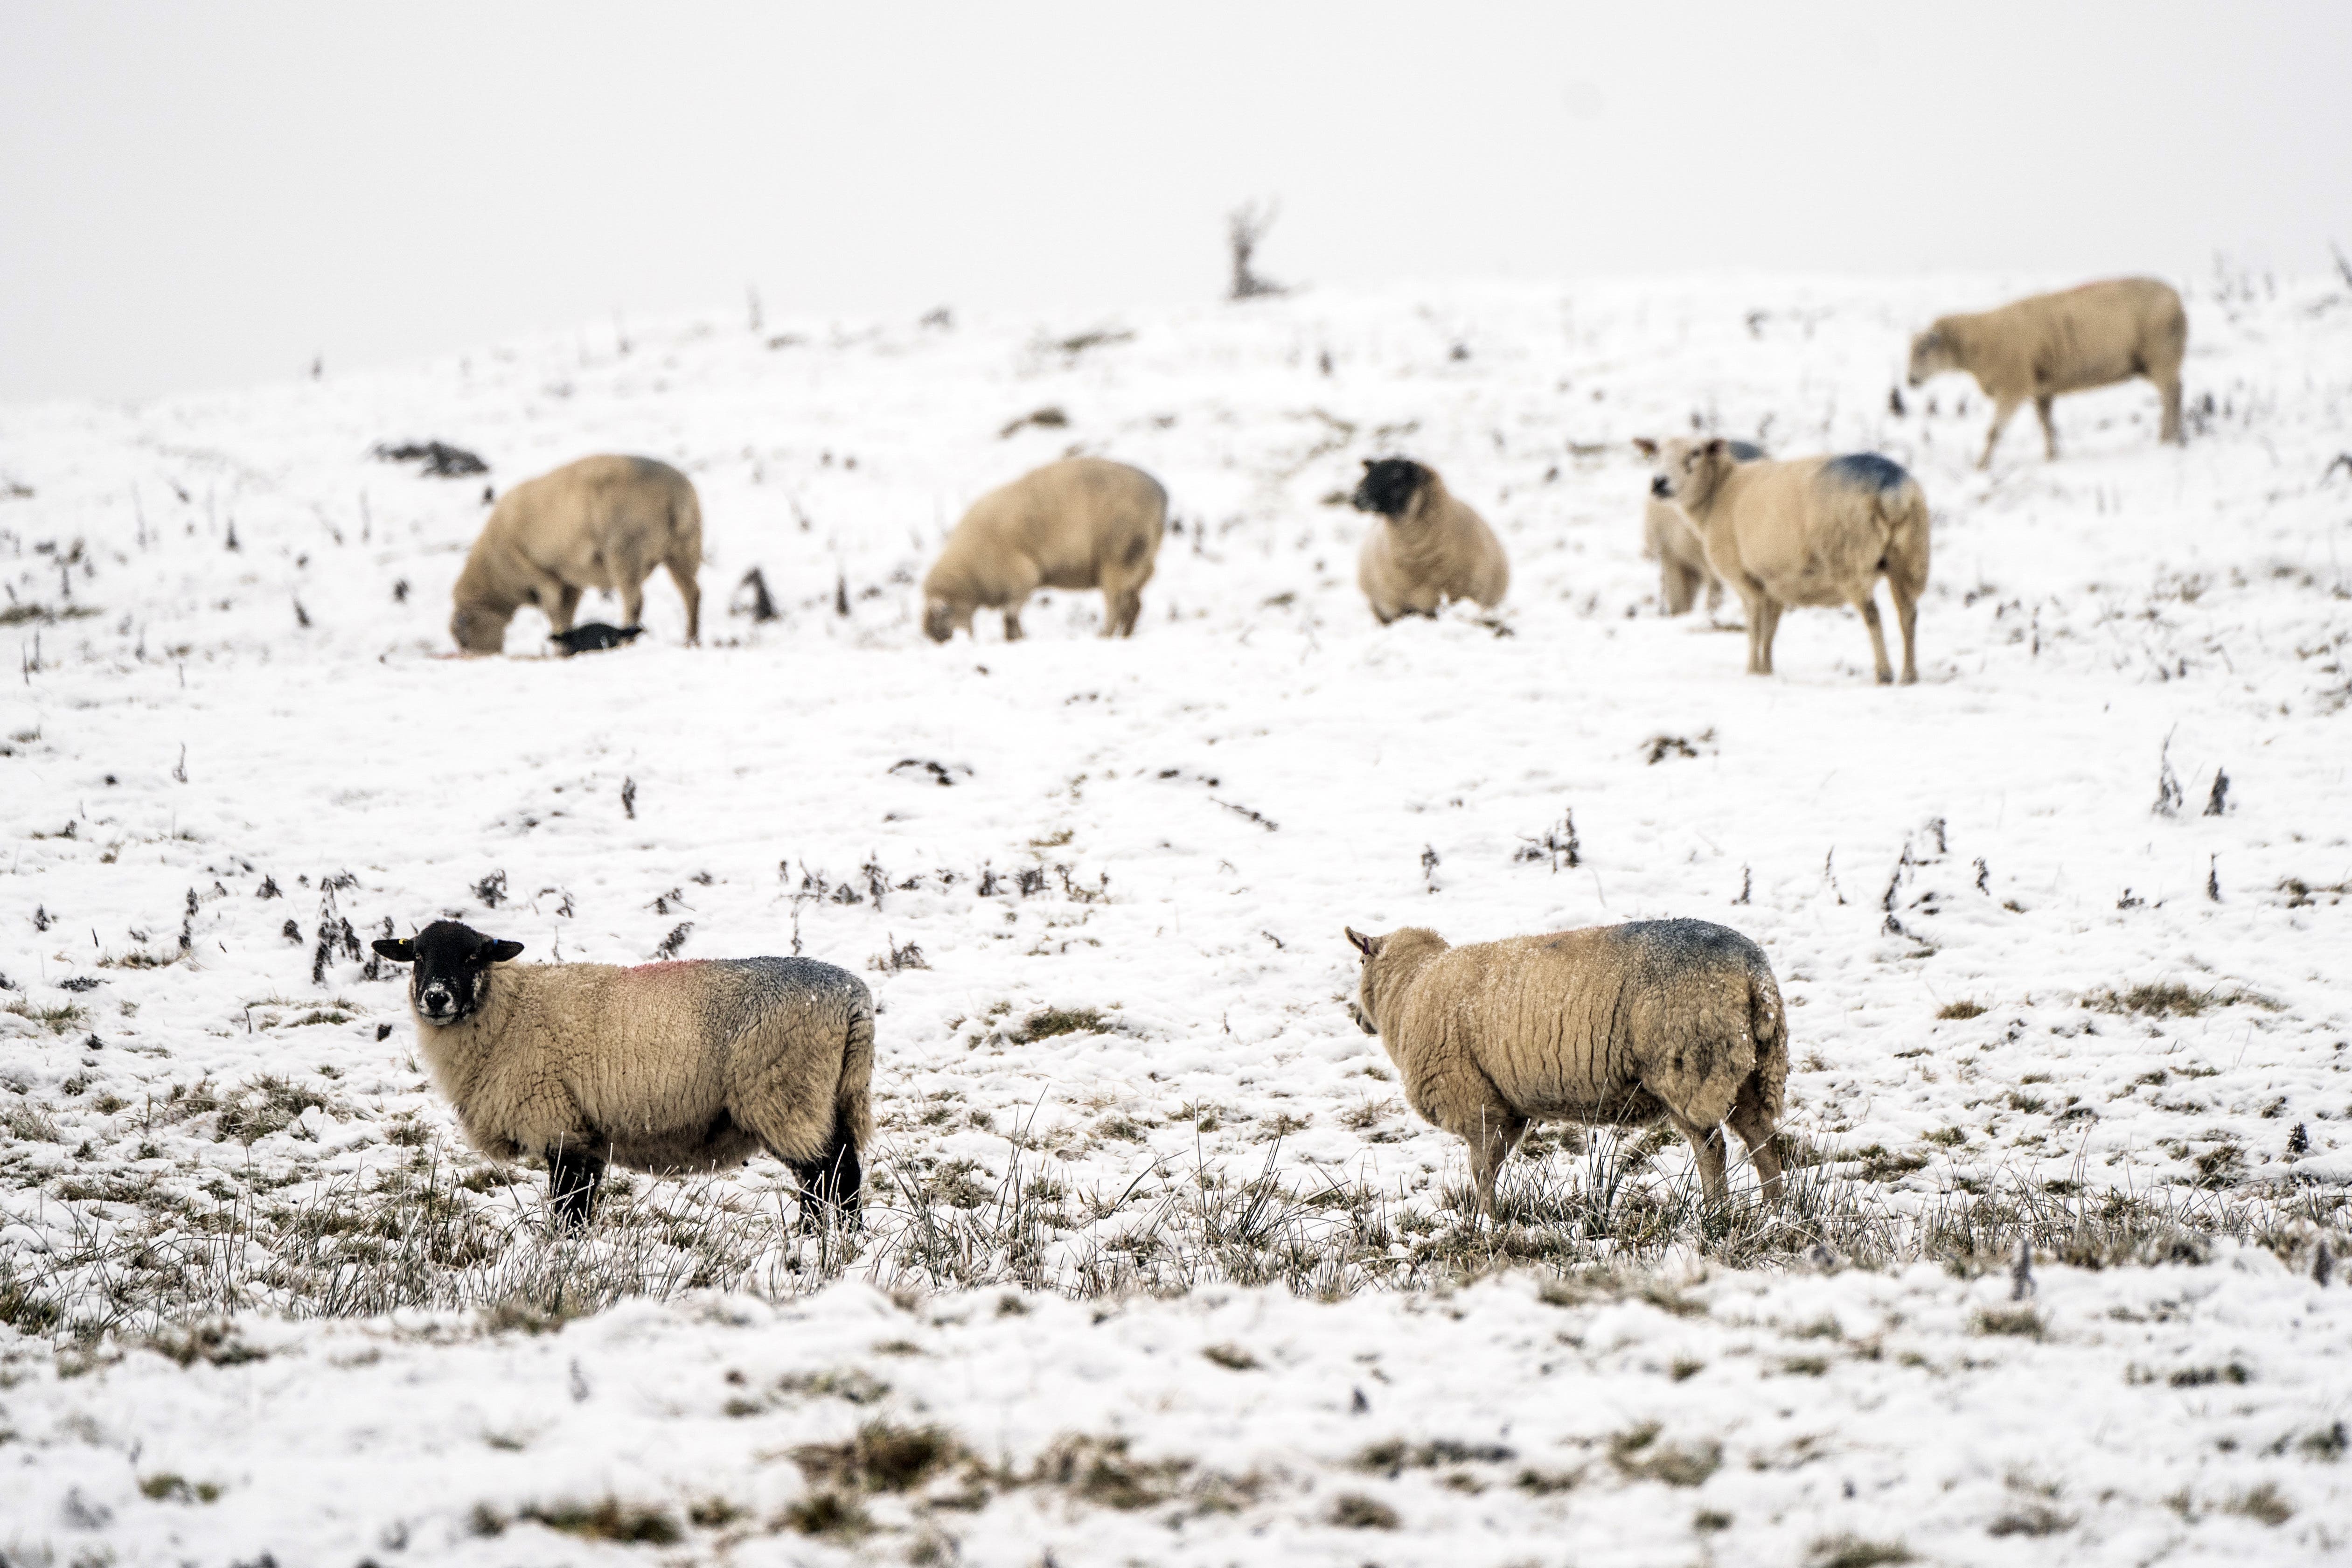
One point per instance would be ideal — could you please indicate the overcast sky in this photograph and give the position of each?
(195, 195)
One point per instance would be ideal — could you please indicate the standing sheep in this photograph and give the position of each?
(601, 522)
(1669, 539)
(2095, 335)
(666, 1067)
(1430, 547)
(1083, 522)
(1610, 1025)
(1818, 531)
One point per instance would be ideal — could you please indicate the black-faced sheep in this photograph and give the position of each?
(1610, 1025)
(664, 1068)
(1083, 522)
(601, 522)
(2095, 335)
(1670, 539)
(1818, 531)
(1428, 548)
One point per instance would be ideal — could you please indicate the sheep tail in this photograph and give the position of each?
(853, 1108)
(1903, 519)
(843, 1181)
(685, 526)
(1768, 1022)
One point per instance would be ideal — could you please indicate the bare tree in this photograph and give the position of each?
(1245, 226)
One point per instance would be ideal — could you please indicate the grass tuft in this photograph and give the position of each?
(2023, 1323)
(882, 1457)
(1048, 1022)
(2171, 999)
(1853, 1552)
(611, 1519)
(1354, 1511)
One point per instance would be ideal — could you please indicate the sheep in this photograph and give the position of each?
(1668, 539)
(1817, 530)
(1609, 1026)
(2095, 335)
(1083, 522)
(601, 522)
(665, 1068)
(1429, 548)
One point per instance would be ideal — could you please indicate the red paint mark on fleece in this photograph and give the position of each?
(657, 971)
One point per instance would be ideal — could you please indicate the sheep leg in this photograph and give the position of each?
(1677, 585)
(573, 1177)
(1492, 1132)
(681, 572)
(1755, 1130)
(1867, 603)
(1764, 624)
(830, 1184)
(2170, 387)
(2049, 431)
(1753, 599)
(1012, 619)
(1906, 618)
(1122, 605)
(2001, 409)
(1707, 1151)
(567, 604)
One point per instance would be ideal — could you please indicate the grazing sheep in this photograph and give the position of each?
(666, 1067)
(1818, 531)
(1610, 1025)
(1668, 539)
(1430, 547)
(1083, 522)
(601, 522)
(2095, 335)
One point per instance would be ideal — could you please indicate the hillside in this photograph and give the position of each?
(2049, 976)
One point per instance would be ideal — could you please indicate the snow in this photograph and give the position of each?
(1495, 1425)
(1199, 811)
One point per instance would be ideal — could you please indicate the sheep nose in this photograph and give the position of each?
(1658, 487)
(434, 1000)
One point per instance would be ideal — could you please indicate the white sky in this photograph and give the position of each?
(199, 194)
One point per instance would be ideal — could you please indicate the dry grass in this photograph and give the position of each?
(1048, 1022)
(436, 1234)
(2171, 999)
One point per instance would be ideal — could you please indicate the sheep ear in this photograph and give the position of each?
(1644, 446)
(1367, 945)
(501, 952)
(400, 950)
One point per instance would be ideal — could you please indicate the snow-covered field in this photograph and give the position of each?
(2046, 975)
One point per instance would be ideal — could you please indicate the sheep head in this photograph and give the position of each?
(1687, 472)
(1931, 354)
(943, 619)
(453, 964)
(479, 629)
(1390, 486)
(1359, 1005)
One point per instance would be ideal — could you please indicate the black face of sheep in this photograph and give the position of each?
(593, 638)
(1389, 486)
(451, 960)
